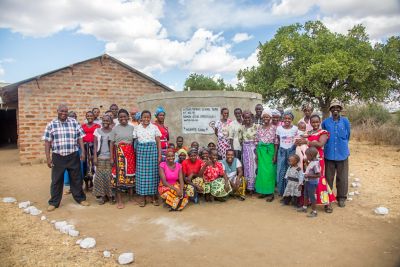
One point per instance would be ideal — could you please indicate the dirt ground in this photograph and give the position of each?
(249, 233)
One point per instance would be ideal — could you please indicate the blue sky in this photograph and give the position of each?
(167, 39)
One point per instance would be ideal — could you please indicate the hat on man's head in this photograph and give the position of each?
(336, 102)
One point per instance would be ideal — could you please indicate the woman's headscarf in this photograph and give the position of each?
(191, 151)
(275, 112)
(138, 115)
(182, 150)
(288, 113)
(159, 110)
(266, 112)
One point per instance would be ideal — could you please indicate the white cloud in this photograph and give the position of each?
(2, 61)
(292, 7)
(241, 37)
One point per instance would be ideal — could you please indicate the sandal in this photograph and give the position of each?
(120, 206)
(270, 199)
(328, 209)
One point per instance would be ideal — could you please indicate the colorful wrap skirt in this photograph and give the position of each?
(123, 171)
(249, 163)
(147, 177)
(241, 190)
(102, 183)
(171, 197)
(217, 188)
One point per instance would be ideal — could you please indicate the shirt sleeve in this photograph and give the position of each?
(230, 131)
(317, 168)
(238, 163)
(157, 131)
(47, 136)
(347, 122)
(134, 133)
(112, 135)
(80, 132)
(287, 173)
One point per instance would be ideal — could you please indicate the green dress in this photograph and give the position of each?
(266, 175)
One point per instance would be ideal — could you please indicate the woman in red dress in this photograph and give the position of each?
(318, 138)
(159, 122)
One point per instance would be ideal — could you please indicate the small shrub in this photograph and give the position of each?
(368, 114)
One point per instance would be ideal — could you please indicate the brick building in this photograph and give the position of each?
(96, 82)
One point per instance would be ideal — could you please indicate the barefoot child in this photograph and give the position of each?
(311, 178)
(101, 159)
(294, 176)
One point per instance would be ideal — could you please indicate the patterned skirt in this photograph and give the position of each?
(222, 146)
(249, 163)
(171, 197)
(147, 178)
(241, 190)
(217, 188)
(102, 185)
(123, 171)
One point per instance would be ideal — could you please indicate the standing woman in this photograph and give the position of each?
(286, 135)
(248, 140)
(164, 138)
(122, 157)
(267, 149)
(101, 188)
(318, 138)
(307, 111)
(148, 150)
(221, 130)
(88, 140)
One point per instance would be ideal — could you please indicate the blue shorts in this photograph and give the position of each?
(309, 191)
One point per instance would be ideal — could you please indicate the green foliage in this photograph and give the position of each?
(370, 113)
(201, 82)
(309, 63)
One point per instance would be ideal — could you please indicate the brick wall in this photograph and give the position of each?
(95, 83)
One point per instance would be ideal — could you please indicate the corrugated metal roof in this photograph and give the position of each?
(9, 93)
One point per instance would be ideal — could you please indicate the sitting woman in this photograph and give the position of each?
(180, 155)
(234, 171)
(191, 168)
(216, 183)
(171, 184)
(204, 154)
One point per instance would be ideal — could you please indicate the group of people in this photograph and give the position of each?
(130, 153)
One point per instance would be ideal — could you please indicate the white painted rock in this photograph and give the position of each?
(73, 232)
(64, 229)
(88, 242)
(354, 184)
(126, 258)
(349, 199)
(9, 200)
(358, 184)
(106, 254)
(78, 241)
(356, 193)
(32, 210)
(24, 205)
(53, 221)
(58, 225)
(356, 179)
(351, 174)
(382, 211)
(43, 218)
(351, 193)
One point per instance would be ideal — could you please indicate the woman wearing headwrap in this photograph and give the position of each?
(248, 140)
(276, 117)
(159, 122)
(286, 135)
(267, 148)
(222, 132)
(181, 155)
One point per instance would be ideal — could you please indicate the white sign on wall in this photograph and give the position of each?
(199, 120)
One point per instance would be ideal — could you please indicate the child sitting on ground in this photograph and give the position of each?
(311, 178)
(301, 150)
(295, 178)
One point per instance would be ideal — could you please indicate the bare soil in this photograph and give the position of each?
(249, 233)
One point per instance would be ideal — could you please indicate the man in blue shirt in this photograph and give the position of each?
(337, 151)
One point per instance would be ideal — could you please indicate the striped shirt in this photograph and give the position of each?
(63, 136)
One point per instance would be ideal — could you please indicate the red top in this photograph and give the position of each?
(211, 173)
(89, 137)
(164, 135)
(188, 167)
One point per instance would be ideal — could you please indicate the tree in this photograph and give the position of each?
(201, 82)
(309, 63)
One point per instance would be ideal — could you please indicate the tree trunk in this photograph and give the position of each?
(324, 106)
